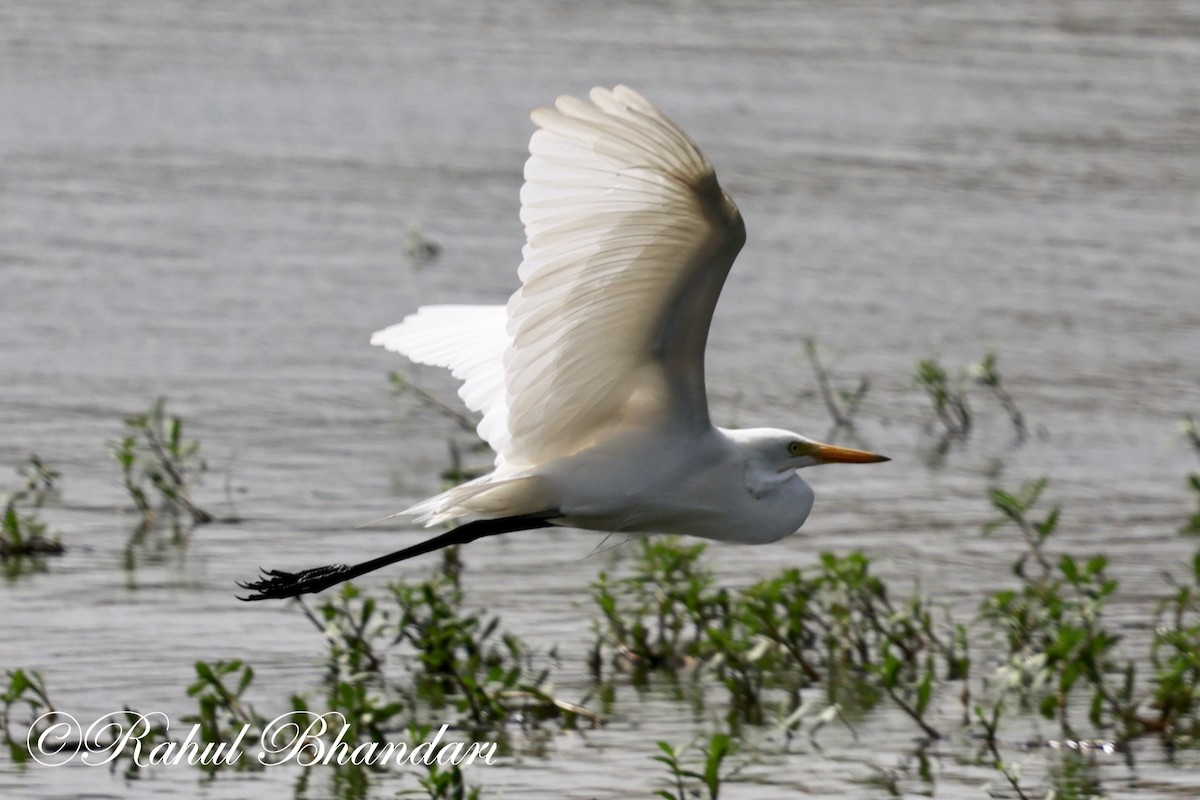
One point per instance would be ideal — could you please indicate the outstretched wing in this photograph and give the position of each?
(629, 239)
(469, 341)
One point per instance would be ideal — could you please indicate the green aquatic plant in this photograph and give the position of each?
(1192, 435)
(1061, 654)
(1175, 658)
(948, 400)
(836, 627)
(987, 719)
(986, 374)
(842, 405)
(442, 783)
(223, 716)
(455, 659)
(840, 627)
(1050, 623)
(1015, 510)
(655, 619)
(713, 754)
(40, 481)
(403, 385)
(1054, 629)
(467, 661)
(947, 397)
(1192, 526)
(358, 631)
(24, 688)
(154, 456)
(23, 535)
(28, 688)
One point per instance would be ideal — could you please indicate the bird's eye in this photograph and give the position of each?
(794, 448)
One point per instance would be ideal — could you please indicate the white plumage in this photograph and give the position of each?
(591, 379)
(470, 342)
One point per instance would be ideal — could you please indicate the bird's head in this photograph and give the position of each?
(780, 450)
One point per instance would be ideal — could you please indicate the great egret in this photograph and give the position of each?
(591, 379)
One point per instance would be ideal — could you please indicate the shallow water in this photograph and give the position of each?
(210, 203)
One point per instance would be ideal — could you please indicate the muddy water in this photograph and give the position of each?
(211, 203)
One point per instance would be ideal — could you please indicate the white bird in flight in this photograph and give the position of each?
(591, 379)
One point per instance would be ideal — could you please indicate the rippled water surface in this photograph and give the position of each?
(210, 202)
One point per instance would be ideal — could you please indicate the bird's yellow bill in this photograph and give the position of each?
(831, 453)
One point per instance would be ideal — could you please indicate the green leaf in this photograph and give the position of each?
(18, 682)
(718, 746)
(1047, 526)
(1030, 492)
(1004, 501)
(247, 678)
(204, 671)
(1069, 568)
(924, 691)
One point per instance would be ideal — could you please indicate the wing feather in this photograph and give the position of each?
(629, 239)
(469, 341)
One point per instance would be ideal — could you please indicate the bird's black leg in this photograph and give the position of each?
(275, 584)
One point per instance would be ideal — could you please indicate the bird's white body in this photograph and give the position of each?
(705, 483)
(591, 380)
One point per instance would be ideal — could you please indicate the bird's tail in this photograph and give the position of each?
(485, 497)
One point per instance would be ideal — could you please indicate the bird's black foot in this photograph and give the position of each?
(276, 584)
